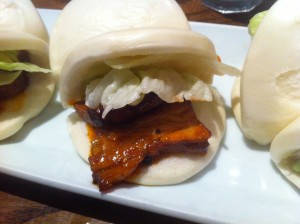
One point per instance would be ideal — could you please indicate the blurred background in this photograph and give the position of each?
(193, 9)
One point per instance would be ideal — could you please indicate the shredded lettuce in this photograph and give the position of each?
(123, 86)
(113, 91)
(10, 68)
(173, 77)
(255, 22)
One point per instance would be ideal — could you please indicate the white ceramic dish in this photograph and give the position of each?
(241, 185)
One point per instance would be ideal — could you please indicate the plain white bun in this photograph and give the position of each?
(174, 168)
(23, 29)
(270, 81)
(266, 99)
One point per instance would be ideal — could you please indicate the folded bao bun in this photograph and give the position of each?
(269, 85)
(266, 98)
(21, 28)
(135, 35)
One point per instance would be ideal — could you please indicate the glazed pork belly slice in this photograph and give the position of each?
(117, 150)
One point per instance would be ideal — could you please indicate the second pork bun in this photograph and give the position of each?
(23, 30)
(174, 168)
(155, 41)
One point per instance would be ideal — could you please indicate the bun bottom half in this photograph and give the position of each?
(173, 168)
(286, 145)
(27, 105)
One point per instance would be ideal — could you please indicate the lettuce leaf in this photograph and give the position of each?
(10, 68)
(123, 86)
(255, 22)
(19, 66)
(8, 77)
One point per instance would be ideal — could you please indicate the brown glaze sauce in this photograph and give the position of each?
(12, 105)
(12, 96)
(117, 150)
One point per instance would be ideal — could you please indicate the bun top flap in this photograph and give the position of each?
(179, 49)
(81, 20)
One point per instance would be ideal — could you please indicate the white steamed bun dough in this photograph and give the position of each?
(269, 85)
(82, 20)
(21, 28)
(266, 99)
(93, 39)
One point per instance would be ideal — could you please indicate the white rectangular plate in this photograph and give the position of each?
(241, 185)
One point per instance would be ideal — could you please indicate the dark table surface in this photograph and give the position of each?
(26, 202)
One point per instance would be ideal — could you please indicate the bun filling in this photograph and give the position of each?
(117, 150)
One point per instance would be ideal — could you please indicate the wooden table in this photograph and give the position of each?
(25, 202)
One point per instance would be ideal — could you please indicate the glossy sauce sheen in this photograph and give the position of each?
(117, 150)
